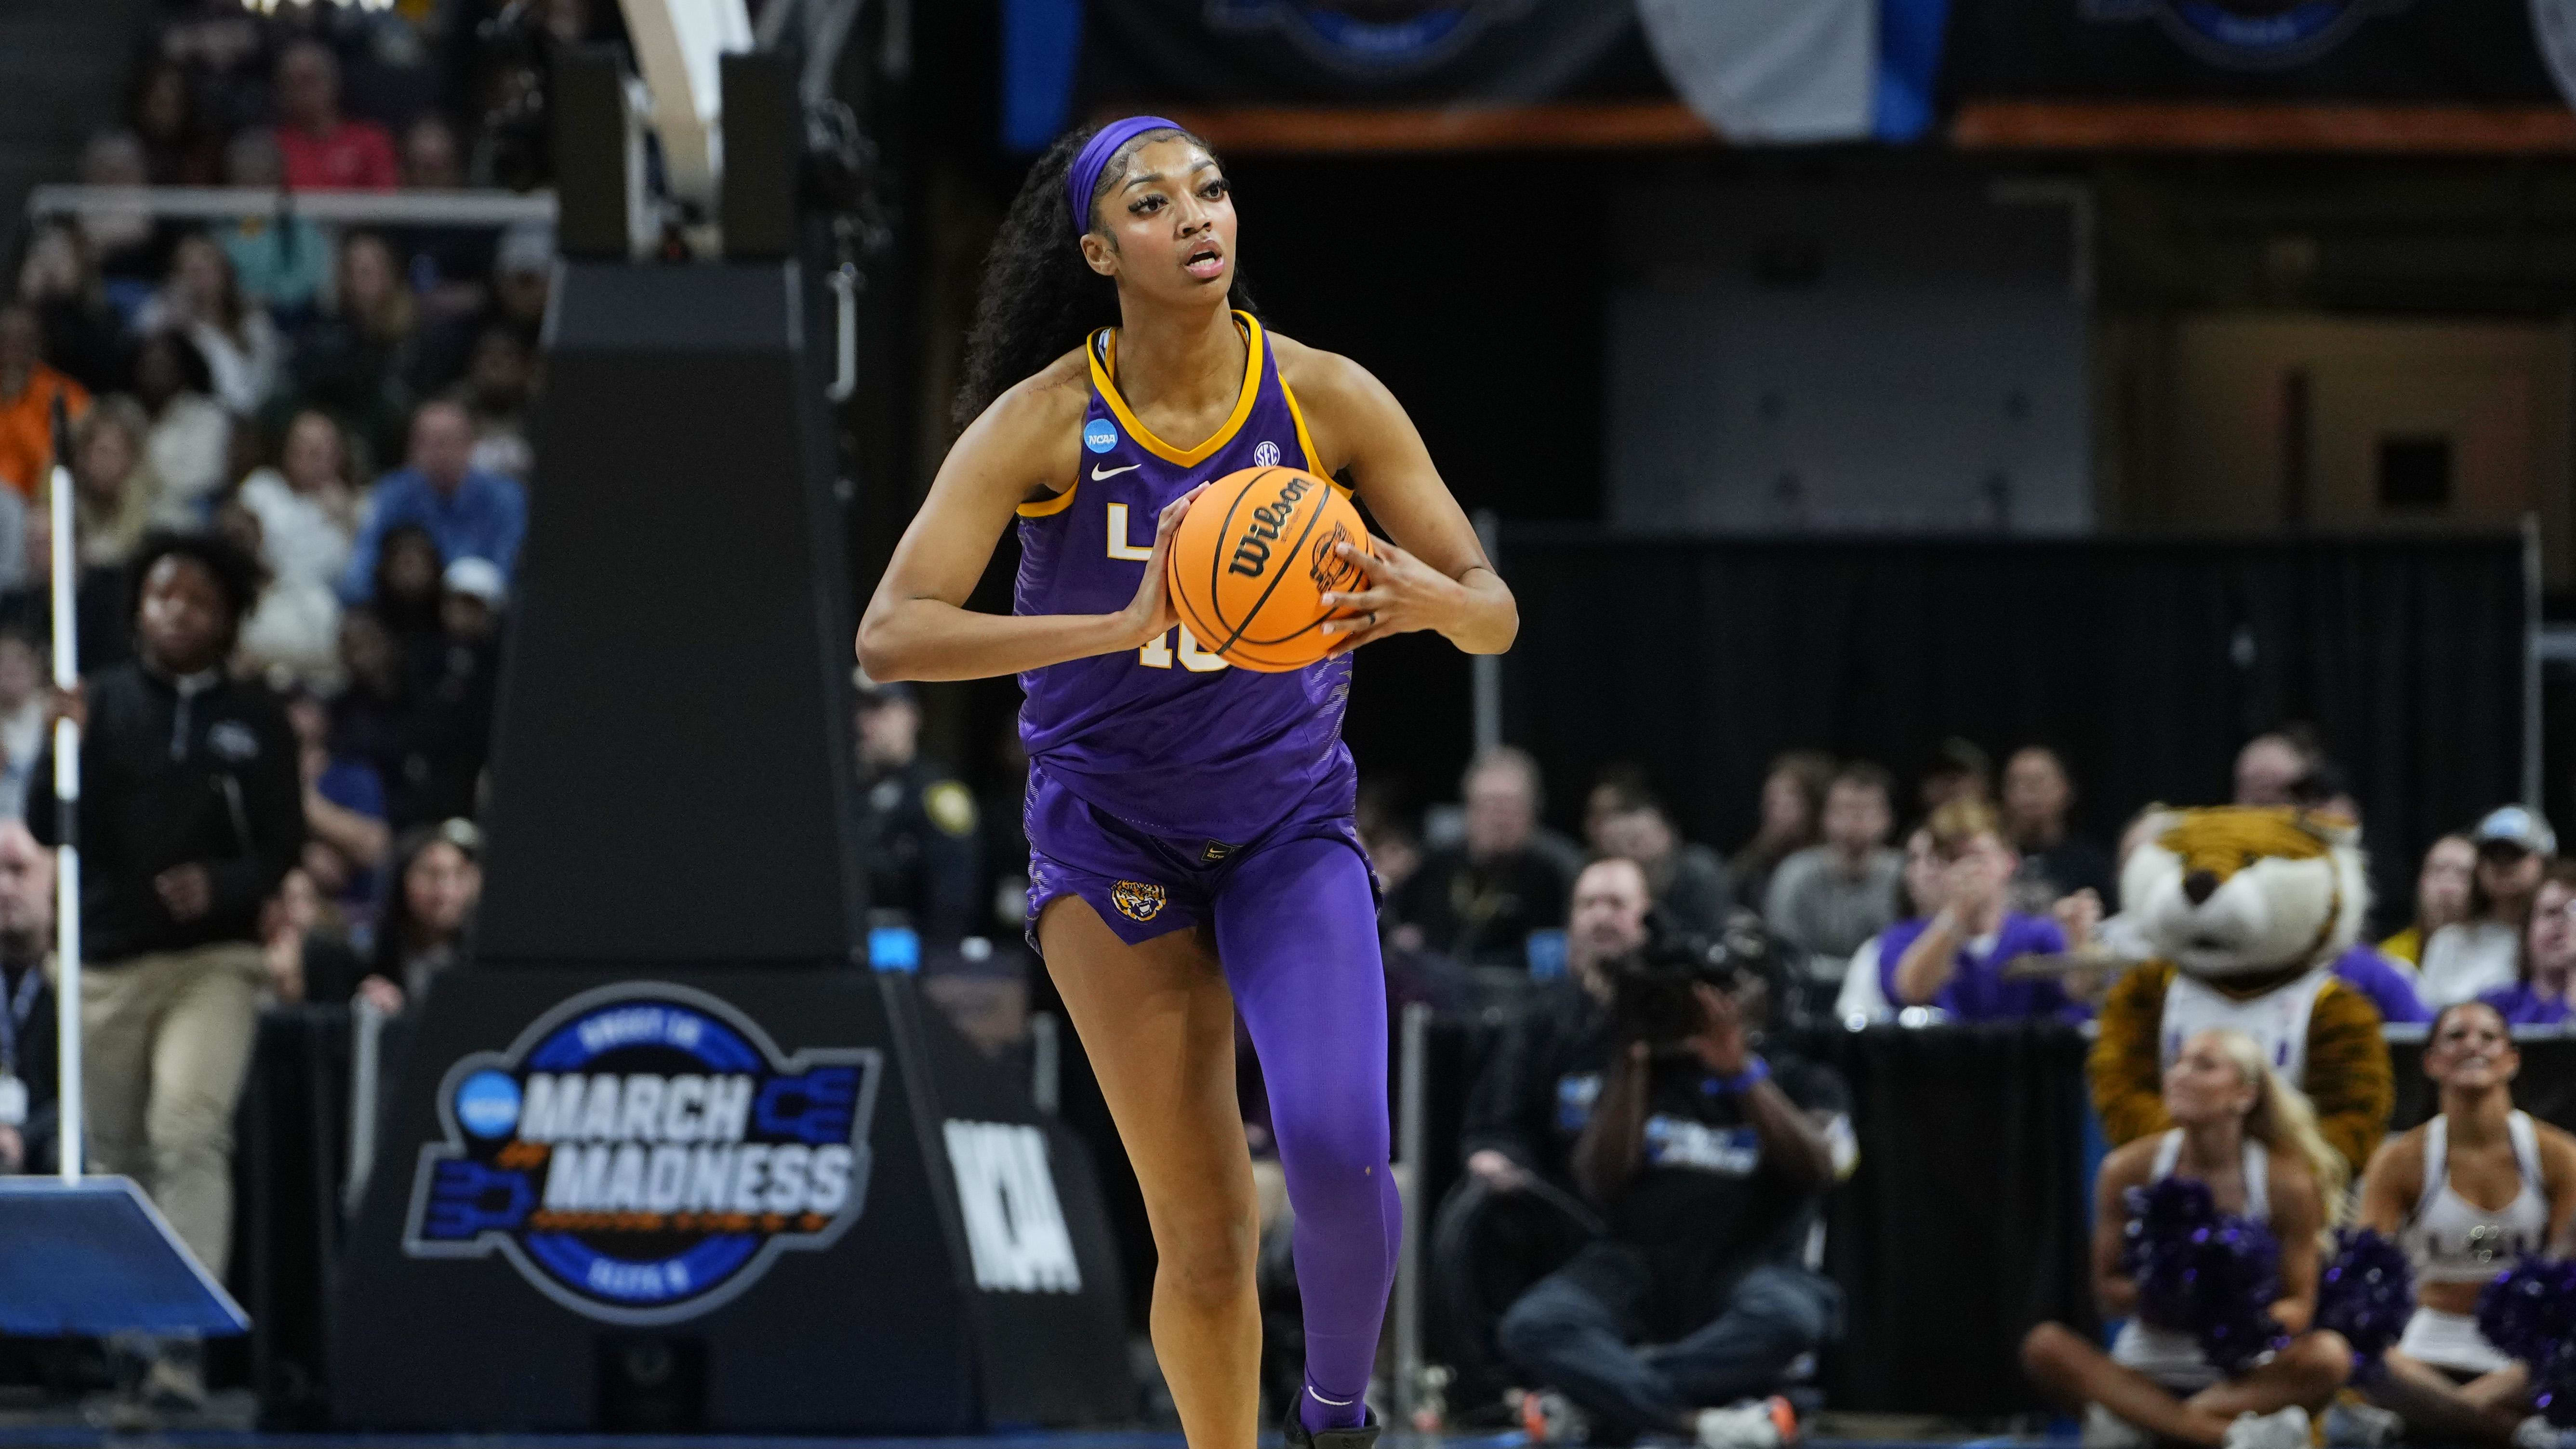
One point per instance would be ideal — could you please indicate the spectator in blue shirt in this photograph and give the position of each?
(472, 514)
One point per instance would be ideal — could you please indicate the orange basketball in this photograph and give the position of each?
(1252, 561)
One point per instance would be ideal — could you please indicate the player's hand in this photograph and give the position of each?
(1403, 594)
(1151, 615)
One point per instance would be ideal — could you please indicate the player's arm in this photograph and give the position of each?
(918, 626)
(1436, 576)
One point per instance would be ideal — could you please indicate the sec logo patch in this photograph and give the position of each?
(1136, 900)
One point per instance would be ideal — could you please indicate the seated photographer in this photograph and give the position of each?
(1709, 1164)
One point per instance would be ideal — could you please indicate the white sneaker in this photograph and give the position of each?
(2538, 1433)
(2286, 1429)
(1753, 1424)
(2354, 1424)
(2106, 1430)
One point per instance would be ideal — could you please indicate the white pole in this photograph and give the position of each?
(67, 877)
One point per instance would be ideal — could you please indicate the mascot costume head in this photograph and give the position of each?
(2242, 912)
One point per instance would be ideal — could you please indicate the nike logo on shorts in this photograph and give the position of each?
(1098, 473)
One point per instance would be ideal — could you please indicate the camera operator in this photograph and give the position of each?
(1710, 1164)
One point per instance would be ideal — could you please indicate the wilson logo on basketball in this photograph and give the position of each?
(1252, 550)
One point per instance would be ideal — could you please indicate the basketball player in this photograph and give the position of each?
(1191, 848)
(2468, 1193)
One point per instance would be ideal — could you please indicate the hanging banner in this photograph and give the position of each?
(2471, 52)
(1365, 51)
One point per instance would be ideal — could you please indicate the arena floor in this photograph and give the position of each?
(64, 1434)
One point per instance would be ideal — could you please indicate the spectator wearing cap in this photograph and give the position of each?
(30, 1047)
(471, 513)
(325, 150)
(28, 388)
(438, 881)
(1477, 901)
(2467, 959)
(1828, 900)
(456, 678)
(917, 826)
(191, 812)
(522, 278)
(2442, 886)
(2544, 989)
(282, 260)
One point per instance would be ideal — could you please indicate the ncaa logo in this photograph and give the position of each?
(644, 1152)
(1099, 435)
(2249, 34)
(1266, 456)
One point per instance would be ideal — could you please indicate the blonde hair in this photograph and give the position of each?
(1958, 823)
(2284, 1120)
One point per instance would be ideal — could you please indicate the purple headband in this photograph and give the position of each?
(1085, 175)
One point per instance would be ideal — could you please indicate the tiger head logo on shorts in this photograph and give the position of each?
(1136, 900)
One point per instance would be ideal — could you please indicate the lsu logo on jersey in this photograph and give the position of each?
(1136, 900)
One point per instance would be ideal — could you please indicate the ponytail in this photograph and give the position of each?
(2284, 1120)
(1039, 298)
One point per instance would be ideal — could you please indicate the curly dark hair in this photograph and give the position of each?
(1040, 299)
(238, 574)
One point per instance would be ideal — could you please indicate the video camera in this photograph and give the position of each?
(1653, 988)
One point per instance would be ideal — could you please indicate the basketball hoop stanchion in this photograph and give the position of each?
(88, 1255)
(67, 874)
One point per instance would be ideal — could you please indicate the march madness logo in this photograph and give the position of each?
(644, 1152)
(1370, 37)
(2250, 34)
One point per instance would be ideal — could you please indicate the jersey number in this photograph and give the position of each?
(1158, 654)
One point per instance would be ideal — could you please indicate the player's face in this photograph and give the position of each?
(1165, 229)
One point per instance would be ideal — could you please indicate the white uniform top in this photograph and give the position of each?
(2276, 1020)
(2174, 1359)
(2467, 959)
(2453, 1240)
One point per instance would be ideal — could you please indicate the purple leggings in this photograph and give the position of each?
(1296, 926)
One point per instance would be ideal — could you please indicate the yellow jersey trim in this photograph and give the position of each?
(1306, 441)
(1103, 356)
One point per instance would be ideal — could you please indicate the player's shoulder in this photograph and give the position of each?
(1039, 410)
(1315, 374)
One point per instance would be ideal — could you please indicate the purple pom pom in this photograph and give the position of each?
(2529, 1312)
(2202, 1272)
(2367, 1294)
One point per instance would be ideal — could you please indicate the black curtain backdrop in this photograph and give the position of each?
(2146, 663)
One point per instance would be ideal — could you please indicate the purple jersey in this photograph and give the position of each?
(1170, 737)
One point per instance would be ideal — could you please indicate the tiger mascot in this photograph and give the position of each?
(2242, 912)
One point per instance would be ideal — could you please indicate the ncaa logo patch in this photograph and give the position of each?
(1100, 435)
(644, 1152)
(1136, 900)
(2249, 34)
(1266, 456)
